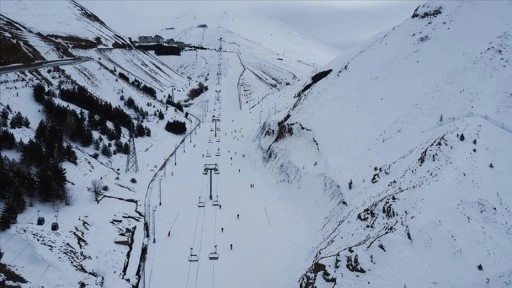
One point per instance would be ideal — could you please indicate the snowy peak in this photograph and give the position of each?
(63, 21)
(389, 119)
(252, 26)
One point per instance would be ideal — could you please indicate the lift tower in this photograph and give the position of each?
(131, 160)
(215, 120)
(211, 168)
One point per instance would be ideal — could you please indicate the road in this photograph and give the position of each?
(44, 64)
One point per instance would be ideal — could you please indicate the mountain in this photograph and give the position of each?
(102, 87)
(418, 121)
(385, 166)
(67, 22)
(261, 30)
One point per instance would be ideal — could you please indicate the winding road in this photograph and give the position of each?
(43, 64)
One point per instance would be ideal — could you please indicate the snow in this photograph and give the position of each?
(60, 18)
(380, 107)
(435, 212)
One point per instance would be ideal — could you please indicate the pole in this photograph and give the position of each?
(211, 185)
(160, 191)
(154, 224)
(175, 155)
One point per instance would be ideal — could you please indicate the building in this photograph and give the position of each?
(146, 39)
(158, 39)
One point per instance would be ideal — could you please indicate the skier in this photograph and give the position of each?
(221, 229)
(220, 206)
(169, 234)
(231, 246)
(237, 216)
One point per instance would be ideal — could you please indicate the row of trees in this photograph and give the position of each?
(17, 121)
(139, 85)
(38, 173)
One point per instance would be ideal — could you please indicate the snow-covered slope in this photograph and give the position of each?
(425, 208)
(249, 24)
(84, 250)
(62, 18)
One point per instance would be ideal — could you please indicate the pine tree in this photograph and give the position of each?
(16, 121)
(8, 216)
(105, 150)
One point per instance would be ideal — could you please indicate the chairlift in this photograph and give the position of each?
(218, 139)
(205, 172)
(55, 225)
(216, 201)
(208, 154)
(214, 255)
(193, 257)
(218, 152)
(40, 220)
(211, 129)
(209, 140)
(200, 204)
(216, 171)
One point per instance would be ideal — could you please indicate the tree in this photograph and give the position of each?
(39, 92)
(25, 122)
(461, 138)
(8, 216)
(161, 115)
(176, 127)
(96, 189)
(105, 150)
(16, 121)
(7, 140)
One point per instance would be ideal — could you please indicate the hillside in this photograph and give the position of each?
(426, 205)
(88, 227)
(385, 167)
(67, 22)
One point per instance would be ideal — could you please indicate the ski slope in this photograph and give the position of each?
(425, 207)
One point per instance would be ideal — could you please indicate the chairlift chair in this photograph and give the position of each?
(208, 154)
(200, 204)
(209, 140)
(205, 172)
(216, 171)
(216, 201)
(218, 139)
(193, 257)
(214, 255)
(40, 219)
(55, 225)
(217, 154)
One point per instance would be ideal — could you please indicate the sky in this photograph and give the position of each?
(342, 24)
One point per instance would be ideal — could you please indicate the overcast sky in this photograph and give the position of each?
(342, 24)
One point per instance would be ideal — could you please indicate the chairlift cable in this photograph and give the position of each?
(200, 245)
(44, 272)
(215, 228)
(19, 252)
(14, 234)
(213, 273)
